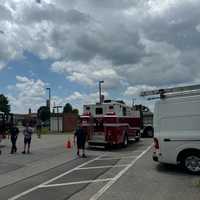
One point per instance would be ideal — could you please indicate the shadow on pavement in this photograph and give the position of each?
(133, 145)
(172, 169)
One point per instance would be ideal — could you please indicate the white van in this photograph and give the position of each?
(177, 128)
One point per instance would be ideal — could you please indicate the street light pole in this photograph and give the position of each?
(49, 89)
(100, 99)
(133, 102)
(49, 105)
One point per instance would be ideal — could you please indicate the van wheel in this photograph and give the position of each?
(125, 141)
(150, 133)
(191, 162)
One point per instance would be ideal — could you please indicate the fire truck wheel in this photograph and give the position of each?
(137, 139)
(107, 147)
(125, 141)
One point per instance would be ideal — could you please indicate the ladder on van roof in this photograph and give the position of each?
(174, 92)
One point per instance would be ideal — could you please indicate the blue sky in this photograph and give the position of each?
(70, 45)
(33, 67)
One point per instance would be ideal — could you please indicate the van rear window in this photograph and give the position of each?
(124, 111)
(87, 108)
(99, 111)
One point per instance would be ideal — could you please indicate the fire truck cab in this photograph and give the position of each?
(111, 123)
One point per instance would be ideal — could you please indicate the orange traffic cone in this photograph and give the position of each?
(69, 144)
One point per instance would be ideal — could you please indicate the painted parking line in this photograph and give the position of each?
(100, 167)
(117, 157)
(108, 181)
(53, 179)
(111, 182)
(76, 183)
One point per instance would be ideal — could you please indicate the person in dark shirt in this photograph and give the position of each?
(80, 138)
(14, 131)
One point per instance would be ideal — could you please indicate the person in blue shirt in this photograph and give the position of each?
(80, 138)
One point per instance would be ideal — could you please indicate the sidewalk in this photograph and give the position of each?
(47, 152)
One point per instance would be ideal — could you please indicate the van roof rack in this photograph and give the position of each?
(176, 91)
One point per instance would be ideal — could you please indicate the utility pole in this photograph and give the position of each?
(100, 97)
(58, 124)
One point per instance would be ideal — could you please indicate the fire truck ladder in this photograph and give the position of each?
(173, 92)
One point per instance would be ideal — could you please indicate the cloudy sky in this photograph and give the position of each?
(69, 46)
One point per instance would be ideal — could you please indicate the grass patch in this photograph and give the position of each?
(44, 130)
(197, 183)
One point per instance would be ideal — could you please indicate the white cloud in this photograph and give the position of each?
(78, 99)
(22, 79)
(75, 96)
(80, 78)
(198, 27)
(90, 73)
(2, 65)
(30, 87)
(136, 90)
(161, 67)
(30, 93)
(27, 93)
(149, 43)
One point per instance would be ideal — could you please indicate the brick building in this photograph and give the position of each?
(63, 122)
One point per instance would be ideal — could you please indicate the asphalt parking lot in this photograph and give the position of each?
(120, 174)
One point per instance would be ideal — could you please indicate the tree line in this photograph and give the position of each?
(43, 113)
(4, 104)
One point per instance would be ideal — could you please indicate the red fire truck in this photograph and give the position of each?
(111, 123)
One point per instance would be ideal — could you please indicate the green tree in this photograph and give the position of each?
(43, 113)
(4, 104)
(75, 111)
(67, 108)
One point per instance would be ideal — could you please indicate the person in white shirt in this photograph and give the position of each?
(27, 138)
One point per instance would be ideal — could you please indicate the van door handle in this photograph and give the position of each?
(167, 140)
